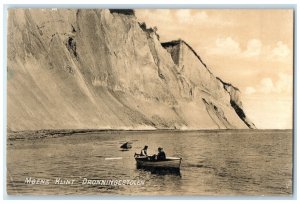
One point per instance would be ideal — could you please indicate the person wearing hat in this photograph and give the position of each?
(144, 151)
(161, 154)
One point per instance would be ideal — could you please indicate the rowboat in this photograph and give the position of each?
(126, 146)
(170, 163)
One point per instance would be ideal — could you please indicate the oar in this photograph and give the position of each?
(113, 158)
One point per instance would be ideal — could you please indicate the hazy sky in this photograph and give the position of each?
(252, 49)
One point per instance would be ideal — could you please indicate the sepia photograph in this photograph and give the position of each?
(150, 101)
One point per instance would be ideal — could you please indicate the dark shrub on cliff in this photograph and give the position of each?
(123, 11)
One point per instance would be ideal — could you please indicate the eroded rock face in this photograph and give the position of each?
(103, 69)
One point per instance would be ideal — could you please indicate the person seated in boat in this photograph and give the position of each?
(144, 151)
(161, 154)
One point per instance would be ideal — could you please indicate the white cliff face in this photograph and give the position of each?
(99, 69)
(221, 99)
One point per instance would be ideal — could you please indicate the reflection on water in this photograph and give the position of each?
(161, 171)
(214, 163)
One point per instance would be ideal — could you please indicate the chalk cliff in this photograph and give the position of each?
(103, 69)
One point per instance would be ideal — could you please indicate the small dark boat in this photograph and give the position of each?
(171, 163)
(126, 145)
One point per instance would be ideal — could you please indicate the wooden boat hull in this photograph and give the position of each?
(169, 163)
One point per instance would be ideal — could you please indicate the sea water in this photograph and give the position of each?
(214, 162)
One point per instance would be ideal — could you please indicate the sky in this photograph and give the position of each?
(251, 49)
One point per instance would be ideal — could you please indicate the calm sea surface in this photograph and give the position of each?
(248, 162)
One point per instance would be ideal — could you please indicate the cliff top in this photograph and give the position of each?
(176, 42)
(123, 11)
